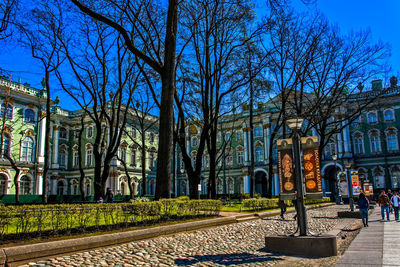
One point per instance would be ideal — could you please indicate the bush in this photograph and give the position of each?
(183, 198)
(37, 220)
(257, 204)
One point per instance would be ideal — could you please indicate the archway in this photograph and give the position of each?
(261, 183)
(330, 177)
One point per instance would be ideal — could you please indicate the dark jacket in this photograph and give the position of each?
(363, 203)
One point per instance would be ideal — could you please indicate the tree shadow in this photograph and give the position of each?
(326, 217)
(227, 259)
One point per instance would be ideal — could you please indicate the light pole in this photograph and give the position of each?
(350, 182)
(338, 189)
(295, 126)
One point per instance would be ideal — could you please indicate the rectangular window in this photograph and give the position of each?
(392, 142)
(76, 158)
(133, 157)
(89, 155)
(89, 132)
(240, 157)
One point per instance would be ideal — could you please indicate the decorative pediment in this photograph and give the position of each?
(29, 132)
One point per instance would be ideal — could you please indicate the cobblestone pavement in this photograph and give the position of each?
(238, 244)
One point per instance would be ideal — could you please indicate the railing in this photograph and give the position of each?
(22, 88)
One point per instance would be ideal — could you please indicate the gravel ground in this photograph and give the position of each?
(238, 244)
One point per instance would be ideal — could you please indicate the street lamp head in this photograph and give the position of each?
(334, 157)
(295, 124)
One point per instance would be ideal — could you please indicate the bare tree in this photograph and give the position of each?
(154, 41)
(39, 33)
(94, 56)
(8, 11)
(214, 30)
(6, 149)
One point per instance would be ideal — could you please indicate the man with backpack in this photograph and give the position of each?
(384, 203)
(395, 201)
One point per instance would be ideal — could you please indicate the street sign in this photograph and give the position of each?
(312, 169)
(286, 170)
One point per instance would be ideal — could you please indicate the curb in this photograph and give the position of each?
(14, 256)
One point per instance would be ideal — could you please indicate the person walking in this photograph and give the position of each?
(384, 203)
(363, 205)
(282, 206)
(109, 195)
(390, 197)
(395, 201)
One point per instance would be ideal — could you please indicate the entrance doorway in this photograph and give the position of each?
(261, 183)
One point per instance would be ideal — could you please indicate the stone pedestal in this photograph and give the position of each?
(308, 246)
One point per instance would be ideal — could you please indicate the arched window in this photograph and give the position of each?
(3, 184)
(391, 137)
(379, 178)
(29, 115)
(395, 177)
(152, 137)
(62, 157)
(76, 158)
(60, 188)
(152, 160)
(372, 117)
(27, 149)
(358, 144)
(25, 185)
(259, 154)
(133, 157)
(241, 186)
(330, 150)
(239, 135)
(89, 132)
(123, 188)
(74, 187)
(123, 154)
(6, 144)
(240, 157)
(389, 115)
(230, 186)
(89, 156)
(219, 186)
(375, 142)
(87, 188)
(258, 131)
(195, 141)
(227, 137)
(8, 111)
(63, 133)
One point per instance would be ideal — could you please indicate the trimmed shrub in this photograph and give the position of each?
(257, 204)
(36, 220)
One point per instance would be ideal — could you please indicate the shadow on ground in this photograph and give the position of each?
(227, 259)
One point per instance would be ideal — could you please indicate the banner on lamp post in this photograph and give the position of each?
(286, 170)
(312, 168)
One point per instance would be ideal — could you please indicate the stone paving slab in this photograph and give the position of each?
(377, 245)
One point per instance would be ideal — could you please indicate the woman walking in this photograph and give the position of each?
(363, 205)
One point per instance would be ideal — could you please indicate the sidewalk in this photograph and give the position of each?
(376, 245)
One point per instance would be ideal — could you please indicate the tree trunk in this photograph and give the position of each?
(16, 183)
(163, 181)
(143, 162)
(252, 162)
(47, 141)
(81, 172)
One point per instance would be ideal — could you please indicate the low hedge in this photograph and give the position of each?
(257, 204)
(37, 220)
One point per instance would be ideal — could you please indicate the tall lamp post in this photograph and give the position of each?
(338, 189)
(295, 126)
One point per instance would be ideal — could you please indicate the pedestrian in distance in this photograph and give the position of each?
(384, 203)
(363, 205)
(390, 197)
(282, 206)
(109, 195)
(395, 201)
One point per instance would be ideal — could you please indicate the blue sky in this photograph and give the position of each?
(380, 16)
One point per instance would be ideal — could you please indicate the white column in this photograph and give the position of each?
(39, 183)
(42, 136)
(267, 133)
(188, 145)
(340, 144)
(346, 138)
(246, 184)
(55, 146)
(246, 152)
